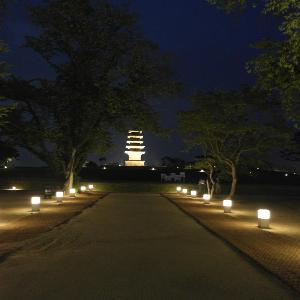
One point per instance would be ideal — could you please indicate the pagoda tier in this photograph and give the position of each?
(134, 137)
(135, 131)
(134, 148)
(134, 142)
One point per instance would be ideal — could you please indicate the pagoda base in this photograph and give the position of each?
(134, 163)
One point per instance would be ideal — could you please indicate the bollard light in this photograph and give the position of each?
(206, 198)
(59, 195)
(91, 186)
(72, 192)
(194, 193)
(83, 188)
(35, 203)
(227, 204)
(185, 191)
(263, 216)
(178, 189)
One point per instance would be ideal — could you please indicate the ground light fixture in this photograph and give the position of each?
(59, 195)
(178, 189)
(91, 186)
(83, 188)
(35, 203)
(72, 192)
(48, 193)
(206, 198)
(194, 193)
(263, 216)
(184, 191)
(227, 204)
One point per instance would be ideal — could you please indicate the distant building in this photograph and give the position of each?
(135, 149)
(172, 177)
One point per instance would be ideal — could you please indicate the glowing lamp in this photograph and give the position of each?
(83, 188)
(72, 192)
(13, 188)
(194, 193)
(263, 216)
(59, 195)
(185, 191)
(35, 203)
(227, 204)
(206, 198)
(178, 189)
(91, 186)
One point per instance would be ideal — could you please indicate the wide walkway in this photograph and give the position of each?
(133, 246)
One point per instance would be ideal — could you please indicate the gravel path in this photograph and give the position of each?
(133, 246)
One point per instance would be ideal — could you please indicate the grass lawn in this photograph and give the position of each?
(135, 187)
(39, 184)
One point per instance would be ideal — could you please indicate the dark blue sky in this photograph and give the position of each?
(209, 51)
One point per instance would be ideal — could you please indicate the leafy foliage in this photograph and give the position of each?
(278, 66)
(3, 69)
(7, 152)
(231, 125)
(105, 74)
(173, 162)
(233, 5)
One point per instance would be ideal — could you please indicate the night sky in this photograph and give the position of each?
(209, 50)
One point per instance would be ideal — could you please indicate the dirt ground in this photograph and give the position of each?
(276, 249)
(18, 223)
(134, 246)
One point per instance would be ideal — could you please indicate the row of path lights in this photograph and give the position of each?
(263, 215)
(13, 188)
(83, 188)
(72, 192)
(59, 195)
(35, 203)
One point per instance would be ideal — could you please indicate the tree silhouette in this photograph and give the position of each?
(106, 72)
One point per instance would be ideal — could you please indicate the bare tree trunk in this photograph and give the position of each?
(70, 174)
(208, 186)
(213, 183)
(233, 182)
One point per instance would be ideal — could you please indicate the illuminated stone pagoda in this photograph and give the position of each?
(134, 149)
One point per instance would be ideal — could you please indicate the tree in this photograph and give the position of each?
(173, 162)
(208, 165)
(4, 110)
(233, 5)
(7, 153)
(3, 46)
(277, 67)
(105, 74)
(231, 125)
(292, 152)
